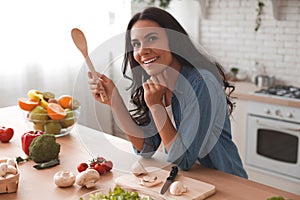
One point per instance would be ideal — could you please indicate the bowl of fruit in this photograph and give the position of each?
(44, 112)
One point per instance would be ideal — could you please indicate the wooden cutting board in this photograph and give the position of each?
(196, 190)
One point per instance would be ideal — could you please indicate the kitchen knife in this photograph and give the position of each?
(169, 180)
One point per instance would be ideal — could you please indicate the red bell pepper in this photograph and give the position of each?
(27, 138)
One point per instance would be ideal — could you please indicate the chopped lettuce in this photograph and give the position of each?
(118, 194)
(277, 198)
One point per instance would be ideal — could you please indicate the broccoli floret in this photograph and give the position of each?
(44, 148)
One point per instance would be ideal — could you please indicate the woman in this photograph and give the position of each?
(178, 96)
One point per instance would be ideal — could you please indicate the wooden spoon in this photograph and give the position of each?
(80, 42)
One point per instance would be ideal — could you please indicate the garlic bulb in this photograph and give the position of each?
(138, 169)
(177, 188)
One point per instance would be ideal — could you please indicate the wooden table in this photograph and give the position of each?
(83, 143)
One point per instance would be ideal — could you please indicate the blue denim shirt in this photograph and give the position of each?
(201, 116)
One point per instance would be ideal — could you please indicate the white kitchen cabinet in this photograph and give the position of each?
(238, 126)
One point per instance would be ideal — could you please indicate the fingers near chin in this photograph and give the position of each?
(154, 79)
(161, 79)
(145, 86)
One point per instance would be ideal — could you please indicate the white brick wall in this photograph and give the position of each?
(228, 35)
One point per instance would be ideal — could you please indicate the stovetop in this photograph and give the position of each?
(286, 91)
(288, 112)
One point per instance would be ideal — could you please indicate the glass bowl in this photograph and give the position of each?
(58, 127)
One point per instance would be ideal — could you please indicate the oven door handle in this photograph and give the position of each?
(278, 127)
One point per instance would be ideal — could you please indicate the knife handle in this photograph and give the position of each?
(173, 173)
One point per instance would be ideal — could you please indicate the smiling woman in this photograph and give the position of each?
(177, 94)
(36, 45)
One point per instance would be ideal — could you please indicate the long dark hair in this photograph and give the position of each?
(181, 46)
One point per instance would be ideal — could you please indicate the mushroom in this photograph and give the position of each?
(138, 169)
(149, 181)
(64, 179)
(87, 178)
(3, 169)
(11, 161)
(177, 188)
(148, 178)
(8, 176)
(11, 169)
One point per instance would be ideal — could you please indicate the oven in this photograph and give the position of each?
(273, 139)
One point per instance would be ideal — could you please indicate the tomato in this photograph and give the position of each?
(82, 167)
(6, 134)
(101, 165)
(96, 160)
(93, 163)
(100, 159)
(108, 165)
(101, 169)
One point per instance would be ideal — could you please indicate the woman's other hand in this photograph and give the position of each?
(155, 88)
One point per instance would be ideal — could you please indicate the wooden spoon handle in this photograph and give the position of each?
(103, 95)
(91, 67)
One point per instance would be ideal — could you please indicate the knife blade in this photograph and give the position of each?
(169, 180)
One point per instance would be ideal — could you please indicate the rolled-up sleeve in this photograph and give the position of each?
(152, 140)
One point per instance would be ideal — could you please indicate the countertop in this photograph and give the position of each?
(82, 143)
(245, 91)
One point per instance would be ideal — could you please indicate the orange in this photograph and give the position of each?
(56, 111)
(27, 104)
(65, 101)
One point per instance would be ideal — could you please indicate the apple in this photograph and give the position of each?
(6, 134)
(53, 127)
(69, 120)
(38, 114)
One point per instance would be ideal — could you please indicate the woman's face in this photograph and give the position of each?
(151, 46)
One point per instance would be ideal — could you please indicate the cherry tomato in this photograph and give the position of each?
(93, 163)
(100, 159)
(6, 134)
(82, 167)
(101, 169)
(108, 165)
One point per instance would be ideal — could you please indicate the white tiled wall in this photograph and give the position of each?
(228, 34)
